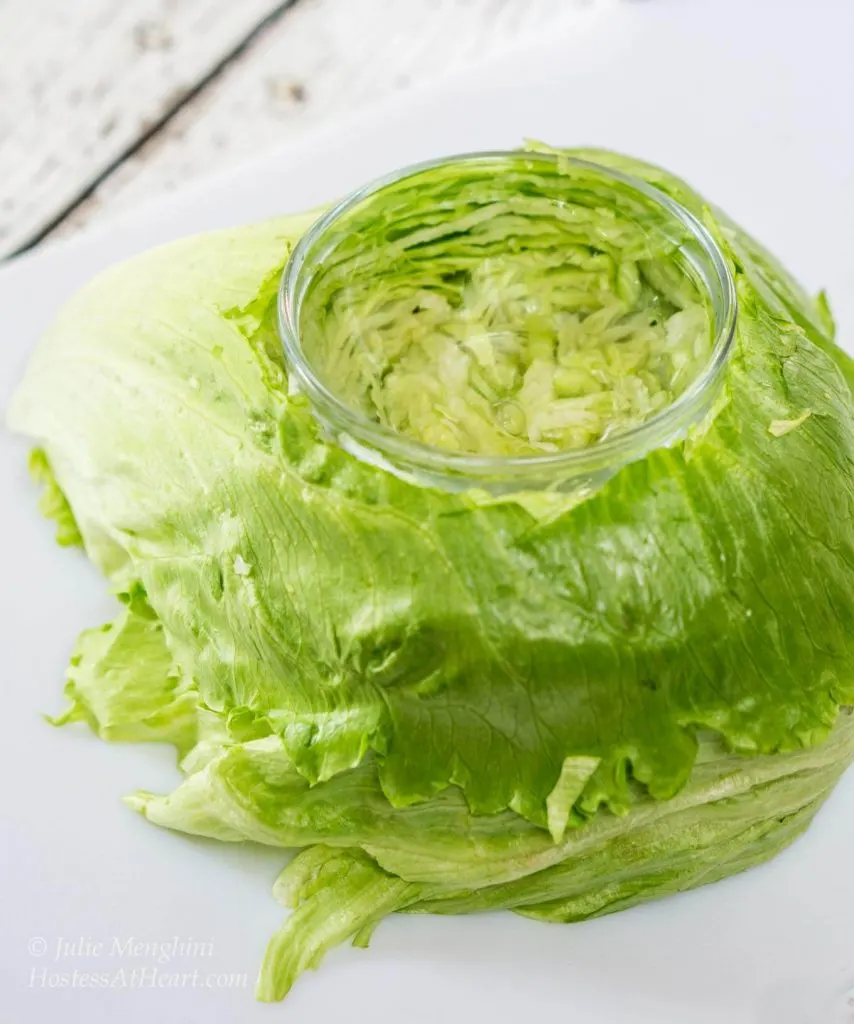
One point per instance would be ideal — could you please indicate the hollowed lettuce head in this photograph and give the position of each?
(446, 694)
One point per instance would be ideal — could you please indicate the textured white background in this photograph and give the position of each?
(107, 102)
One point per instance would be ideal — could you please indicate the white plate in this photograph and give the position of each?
(751, 101)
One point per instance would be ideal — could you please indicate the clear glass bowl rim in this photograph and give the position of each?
(407, 453)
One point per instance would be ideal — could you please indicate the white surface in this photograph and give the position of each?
(753, 109)
(82, 83)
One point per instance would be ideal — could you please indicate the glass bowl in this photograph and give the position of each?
(391, 228)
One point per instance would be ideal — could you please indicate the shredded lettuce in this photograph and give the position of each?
(447, 704)
(527, 316)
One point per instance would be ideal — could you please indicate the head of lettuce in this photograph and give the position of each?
(449, 704)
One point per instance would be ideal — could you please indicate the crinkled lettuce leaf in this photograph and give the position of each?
(53, 504)
(335, 895)
(252, 791)
(123, 682)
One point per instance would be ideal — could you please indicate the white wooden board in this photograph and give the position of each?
(323, 61)
(82, 80)
(751, 102)
(103, 103)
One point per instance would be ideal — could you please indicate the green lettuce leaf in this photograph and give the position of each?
(252, 792)
(510, 699)
(123, 683)
(364, 858)
(335, 895)
(53, 504)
